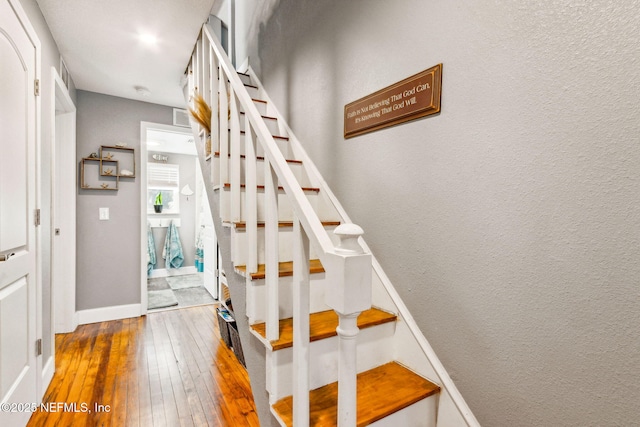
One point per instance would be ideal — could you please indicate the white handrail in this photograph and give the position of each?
(317, 234)
(347, 264)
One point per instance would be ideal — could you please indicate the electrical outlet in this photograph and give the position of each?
(104, 214)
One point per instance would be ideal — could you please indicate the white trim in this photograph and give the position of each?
(163, 272)
(105, 314)
(63, 290)
(144, 127)
(47, 375)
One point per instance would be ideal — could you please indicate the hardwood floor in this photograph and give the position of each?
(169, 369)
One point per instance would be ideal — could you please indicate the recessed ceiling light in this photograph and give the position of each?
(148, 38)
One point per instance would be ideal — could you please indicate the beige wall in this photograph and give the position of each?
(510, 222)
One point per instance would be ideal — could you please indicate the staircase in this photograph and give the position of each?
(341, 347)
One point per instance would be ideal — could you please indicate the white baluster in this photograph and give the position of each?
(347, 369)
(213, 102)
(251, 197)
(234, 148)
(349, 301)
(224, 142)
(196, 68)
(301, 308)
(271, 251)
(205, 87)
(200, 57)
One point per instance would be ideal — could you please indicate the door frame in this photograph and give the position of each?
(144, 127)
(63, 137)
(36, 330)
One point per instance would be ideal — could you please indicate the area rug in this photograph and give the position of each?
(186, 281)
(161, 299)
(194, 296)
(157, 284)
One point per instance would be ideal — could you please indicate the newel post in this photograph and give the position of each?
(349, 296)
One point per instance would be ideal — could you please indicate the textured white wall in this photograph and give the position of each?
(510, 223)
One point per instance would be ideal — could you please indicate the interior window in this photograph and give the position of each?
(163, 179)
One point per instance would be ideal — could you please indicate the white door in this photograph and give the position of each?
(17, 211)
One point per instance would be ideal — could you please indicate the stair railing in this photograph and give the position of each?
(347, 267)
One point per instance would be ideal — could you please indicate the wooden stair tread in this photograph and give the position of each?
(285, 269)
(282, 224)
(382, 391)
(242, 156)
(261, 187)
(323, 325)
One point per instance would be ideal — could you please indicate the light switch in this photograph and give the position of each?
(104, 214)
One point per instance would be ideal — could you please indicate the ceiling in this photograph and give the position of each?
(100, 42)
(171, 142)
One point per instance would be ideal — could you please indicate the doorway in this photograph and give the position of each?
(176, 218)
(63, 218)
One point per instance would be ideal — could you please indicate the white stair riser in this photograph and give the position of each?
(257, 297)
(240, 246)
(244, 78)
(272, 125)
(253, 91)
(296, 168)
(261, 106)
(285, 211)
(420, 414)
(374, 349)
(282, 144)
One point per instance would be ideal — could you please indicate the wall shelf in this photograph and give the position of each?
(93, 167)
(124, 155)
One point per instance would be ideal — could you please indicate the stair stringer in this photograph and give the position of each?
(412, 348)
(254, 351)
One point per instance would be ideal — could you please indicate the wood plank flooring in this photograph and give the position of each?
(169, 369)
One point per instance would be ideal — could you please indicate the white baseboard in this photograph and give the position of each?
(105, 314)
(63, 328)
(48, 370)
(164, 272)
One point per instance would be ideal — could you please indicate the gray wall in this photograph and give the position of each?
(509, 223)
(187, 229)
(50, 57)
(108, 263)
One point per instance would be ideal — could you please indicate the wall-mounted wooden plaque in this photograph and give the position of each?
(412, 98)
